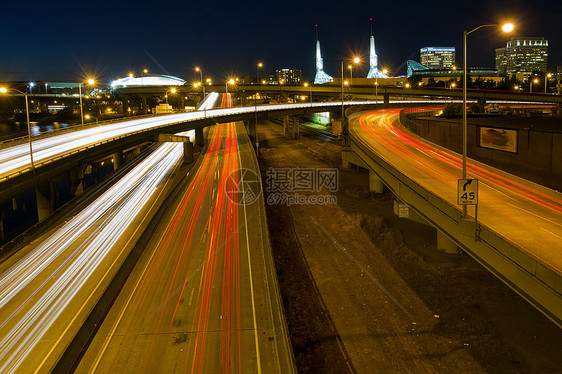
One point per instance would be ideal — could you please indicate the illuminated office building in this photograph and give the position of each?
(438, 57)
(289, 76)
(526, 55)
(501, 62)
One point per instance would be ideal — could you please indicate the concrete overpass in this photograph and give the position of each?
(334, 90)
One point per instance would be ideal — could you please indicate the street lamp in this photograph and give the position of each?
(90, 82)
(531, 84)
(173, 90)
(230, 81)
(258, 67)
(546, 81)
(508, 27)
(198, 69)
(5, 90)
(355, 60)
(310, 88)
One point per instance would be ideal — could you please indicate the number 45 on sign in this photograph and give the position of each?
(467, 192)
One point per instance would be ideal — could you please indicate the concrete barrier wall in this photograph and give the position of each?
(538, 157)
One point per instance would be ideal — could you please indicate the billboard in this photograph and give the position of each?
(500, 139)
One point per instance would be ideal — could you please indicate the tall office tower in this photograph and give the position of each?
(438, 57)
(526, 55)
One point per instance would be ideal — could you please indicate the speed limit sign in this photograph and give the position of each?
(467, 192)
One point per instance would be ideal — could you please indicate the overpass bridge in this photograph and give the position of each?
(335, 90)
(524, 271)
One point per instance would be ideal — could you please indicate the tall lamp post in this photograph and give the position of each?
(90, 82)
(230, 81)
(508, 27)
(258, 67)
(4, 90)
(546, 81)
(355, 60)
(310, 91)
(173, 90)
(200, 71)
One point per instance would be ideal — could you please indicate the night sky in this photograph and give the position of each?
(67, 40)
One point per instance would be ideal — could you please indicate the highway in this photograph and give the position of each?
(525, 214)
(47, 290)
(203, 297)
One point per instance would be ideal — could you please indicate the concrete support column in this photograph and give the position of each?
(199, 138)
(375, 183)
(46, 200)
(76, 181)
(296, 126)
(445, 244)
(2, 236)
(144, 105)
(251, 128)
(117, 160)
(386, 98)
(285, 124)
(188, 152)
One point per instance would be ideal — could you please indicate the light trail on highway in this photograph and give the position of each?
(43, 293)
(524, 213)
(201, 298)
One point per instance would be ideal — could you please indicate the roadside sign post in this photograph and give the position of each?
(467, 194)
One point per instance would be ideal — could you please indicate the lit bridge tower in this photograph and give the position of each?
(374, 71)
(321, 76)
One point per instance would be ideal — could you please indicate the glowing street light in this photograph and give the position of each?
(4, 90)
(91, 82)
(507, 27)
(200, 70)
(173, 90)
(355, 60)
(531, 84)
(258, 67)
(310, 88)
(230, 81)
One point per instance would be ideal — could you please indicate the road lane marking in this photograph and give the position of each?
(250, 266)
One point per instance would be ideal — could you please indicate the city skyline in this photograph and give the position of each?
(62, 41)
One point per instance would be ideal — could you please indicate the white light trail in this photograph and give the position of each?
(41, 301)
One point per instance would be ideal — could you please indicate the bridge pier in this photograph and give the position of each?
(46, 199)
(285, 124)
(445, 244)
(117, 160)
(199, 138)
(251, 128)
(144, 105)
(296, 127)
(188, 152)
(76, 181)
(375, 183)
